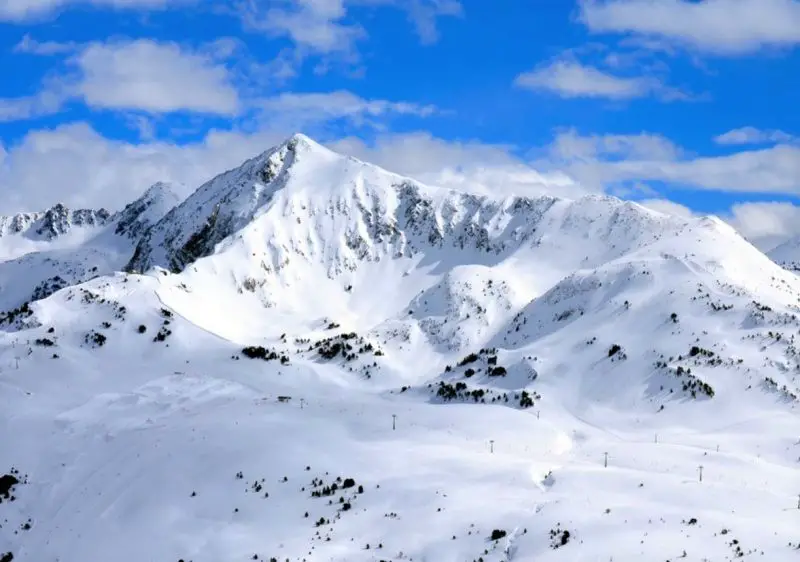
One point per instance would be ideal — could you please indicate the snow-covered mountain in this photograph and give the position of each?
(52, 223)
(787, 254)
(63, 248)
(56, 227)
(311, 358)
(137, 217)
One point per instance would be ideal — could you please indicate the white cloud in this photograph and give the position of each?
(324, 26)
(574, 80)
(158, 78)
(471, 166)
(298, 110)
(751, 135)
(78, 166)
(154, 77)
(31, 46)
(569, 146)
(766, 224)
(773, 170)
(724, 27)
(24, 10)
(603, 161)
(131, 75)
(424, 15)
(315, 25)
(668, 207)
(16, 109)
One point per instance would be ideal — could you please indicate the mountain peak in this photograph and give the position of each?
(160, 189)
(302, 140)
(141, 214)
(300, 144)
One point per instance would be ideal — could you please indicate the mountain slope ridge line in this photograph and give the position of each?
(364, 358)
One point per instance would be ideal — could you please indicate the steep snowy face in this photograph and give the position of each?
(300, 201)
(216, 210)
(137, 217)
(302, 230)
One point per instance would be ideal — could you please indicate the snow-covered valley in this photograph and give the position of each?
(313, 359)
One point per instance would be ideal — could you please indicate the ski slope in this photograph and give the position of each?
(446, 377)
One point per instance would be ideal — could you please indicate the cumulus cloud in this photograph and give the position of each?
(31, 46)
(470, 166)
(668, 207)
(47, 102)
(158, 78)
(722, 27)
(570, 146)
(146, 75)
(425, 14)
(607, 160)
(76, 165)
(18, 11)
(153, 77)
(766, 224)
(571, 79)
(298, 110)
(323, 26)
(316, 25)
(751, 135)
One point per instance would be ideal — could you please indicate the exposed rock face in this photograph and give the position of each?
(137, 217)
(52, 223)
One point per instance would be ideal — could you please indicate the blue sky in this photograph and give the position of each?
(687, 106)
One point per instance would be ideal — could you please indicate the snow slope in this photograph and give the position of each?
(314, 359)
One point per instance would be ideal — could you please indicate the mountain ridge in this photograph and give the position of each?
(787, 254)
(51, 223)
(103, 244)
(346, 364)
